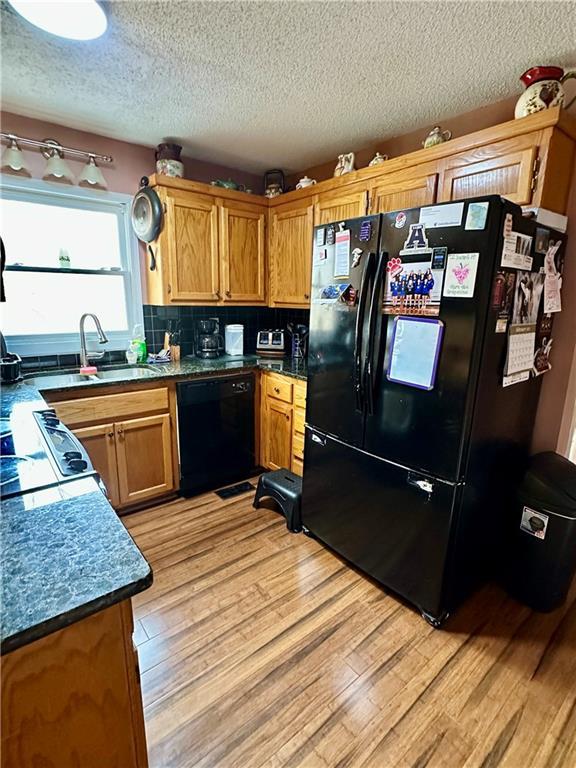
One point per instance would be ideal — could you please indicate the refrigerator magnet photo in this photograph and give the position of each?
(342, 254)
(476, 215)
(365, 231)
(533, 522)
(517, 247)
(460, 276)
(400, 220)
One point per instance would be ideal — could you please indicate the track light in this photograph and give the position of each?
(56, 167)
(92, 175)
(13, 157)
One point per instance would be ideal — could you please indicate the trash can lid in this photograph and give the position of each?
(551, 482)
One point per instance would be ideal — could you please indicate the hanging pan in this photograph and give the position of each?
(146, 215)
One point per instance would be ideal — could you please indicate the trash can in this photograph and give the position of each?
(541, 560)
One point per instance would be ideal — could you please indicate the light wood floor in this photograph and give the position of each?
(260, 648)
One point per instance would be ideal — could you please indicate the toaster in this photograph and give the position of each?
(271, 343)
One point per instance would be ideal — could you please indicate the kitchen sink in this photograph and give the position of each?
(67, 378)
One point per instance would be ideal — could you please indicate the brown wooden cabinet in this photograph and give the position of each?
(144, 454)
(508, 168)
(290, 254)
(243, 252)
(282, 422)
(129, 437)
(73, 697)
(405, 189)
(191, 239)
(211, 249)
(100, 442)
(340, 204)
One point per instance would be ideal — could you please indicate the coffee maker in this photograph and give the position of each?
(209, 343)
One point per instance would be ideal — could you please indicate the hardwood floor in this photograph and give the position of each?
(260, 648)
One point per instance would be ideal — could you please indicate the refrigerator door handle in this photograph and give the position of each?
(364, 287)
(369, 365)
(422, 483)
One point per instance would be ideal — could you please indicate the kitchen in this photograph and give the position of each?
(148, 620)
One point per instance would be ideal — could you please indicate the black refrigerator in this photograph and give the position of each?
(415, 438)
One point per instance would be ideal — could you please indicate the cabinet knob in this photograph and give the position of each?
(287, 416)
(217, 294)
(277, 390)
(306, 295)
(110, 435)
(169, 289)
(120, 431)
(228, 294)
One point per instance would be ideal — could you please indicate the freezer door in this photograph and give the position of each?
(337, 342)
(391, 523)
(427, 429)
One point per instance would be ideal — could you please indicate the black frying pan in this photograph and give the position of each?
(146, 215)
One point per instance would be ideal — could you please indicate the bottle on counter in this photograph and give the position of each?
(138, 344)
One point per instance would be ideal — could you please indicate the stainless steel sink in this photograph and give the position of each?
(141, 372)
(67, 378)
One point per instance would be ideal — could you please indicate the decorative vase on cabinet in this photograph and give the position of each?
(543, 89)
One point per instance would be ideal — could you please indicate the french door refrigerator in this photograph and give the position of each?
(408, 479)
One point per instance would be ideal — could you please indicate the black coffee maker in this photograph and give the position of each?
(209, 342)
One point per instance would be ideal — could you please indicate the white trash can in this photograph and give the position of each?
(234, 339)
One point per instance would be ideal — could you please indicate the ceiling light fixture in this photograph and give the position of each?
(91, 174)
(73, 19)
(56, 167)
(13, 157)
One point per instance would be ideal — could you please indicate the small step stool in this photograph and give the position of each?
(286, 488)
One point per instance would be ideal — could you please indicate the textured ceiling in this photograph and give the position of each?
(256, 85)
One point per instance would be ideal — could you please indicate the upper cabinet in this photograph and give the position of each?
(215, 247)
(404, 189)
(243, 252)
(508, 168)
(191, 239)
(211, 250)
(346, 203)
(290, 253)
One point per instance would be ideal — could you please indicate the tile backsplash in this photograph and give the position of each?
(156, 322)
(253, 319)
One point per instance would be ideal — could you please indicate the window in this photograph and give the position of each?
(41, 222)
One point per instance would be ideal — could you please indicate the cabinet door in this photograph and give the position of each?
(507, 168)
(397, 191)
(277, 437)
(192, 230)
(100, 444)
(290, 251)
(144, 451)
(242, 252)
(341, 204)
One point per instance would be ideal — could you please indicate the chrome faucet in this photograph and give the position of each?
(84, 355)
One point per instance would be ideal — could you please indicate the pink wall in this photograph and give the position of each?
(485, 117)
(131, 161)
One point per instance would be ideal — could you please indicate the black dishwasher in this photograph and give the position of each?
(216, 432)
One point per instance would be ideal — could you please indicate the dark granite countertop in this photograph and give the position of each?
(190, 367)
(65, 552)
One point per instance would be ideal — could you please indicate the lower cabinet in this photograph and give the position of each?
(135, 457)
(73, 698)
(282, 422)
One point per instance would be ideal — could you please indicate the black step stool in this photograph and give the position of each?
(286, 488)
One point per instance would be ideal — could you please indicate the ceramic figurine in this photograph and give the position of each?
(378, 159)
(228, 184)
(436, 136)
(273, 190)
(345, 164)
(543, 89)
(168, 161)
(305, 181)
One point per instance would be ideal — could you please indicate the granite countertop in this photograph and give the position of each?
(65, 552)
(189, 367)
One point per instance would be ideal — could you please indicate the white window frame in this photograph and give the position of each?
(53, 193)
